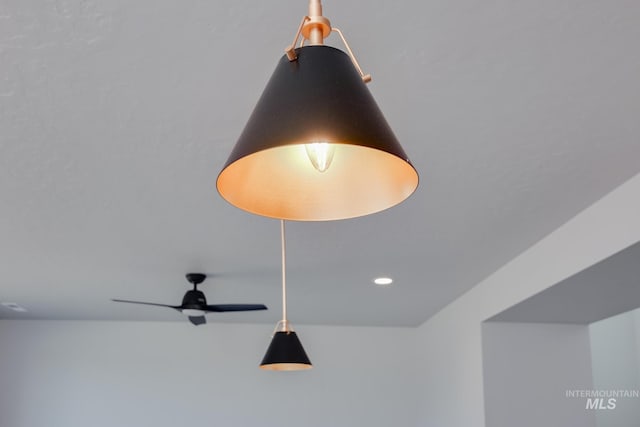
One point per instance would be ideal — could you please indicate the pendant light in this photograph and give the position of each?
(317, 146)
(285, 353)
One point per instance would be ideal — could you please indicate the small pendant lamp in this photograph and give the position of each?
(285, 353)
(317, 146)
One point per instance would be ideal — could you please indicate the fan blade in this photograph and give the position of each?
(235, 307)
(175, 307)
(199, 320)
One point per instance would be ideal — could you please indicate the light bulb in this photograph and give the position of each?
(320, 154)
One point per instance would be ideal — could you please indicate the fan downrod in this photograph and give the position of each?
(195, 278)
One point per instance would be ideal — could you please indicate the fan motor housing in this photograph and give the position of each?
(194, 299)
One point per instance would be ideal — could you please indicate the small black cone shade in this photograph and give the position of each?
(285, 353)
(319, 97)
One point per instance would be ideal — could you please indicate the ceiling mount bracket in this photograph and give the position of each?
(195, 278)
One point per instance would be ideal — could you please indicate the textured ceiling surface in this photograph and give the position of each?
(116, 117)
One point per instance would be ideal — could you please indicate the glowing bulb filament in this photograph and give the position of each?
(320, 154)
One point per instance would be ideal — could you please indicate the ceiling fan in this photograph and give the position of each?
(194, 303)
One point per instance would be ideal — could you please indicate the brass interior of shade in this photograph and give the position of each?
(281, 182)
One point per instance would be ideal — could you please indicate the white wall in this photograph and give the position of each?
(616, 365)
(450, 342)
(636, 318)
(79, 374)
(528, 367)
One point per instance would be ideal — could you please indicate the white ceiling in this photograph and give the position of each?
(605, 289)
(116, 117)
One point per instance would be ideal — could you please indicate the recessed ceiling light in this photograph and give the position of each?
(15, 307)
(383, 281)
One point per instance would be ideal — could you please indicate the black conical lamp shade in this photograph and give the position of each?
(318, 98)
(285, 353)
